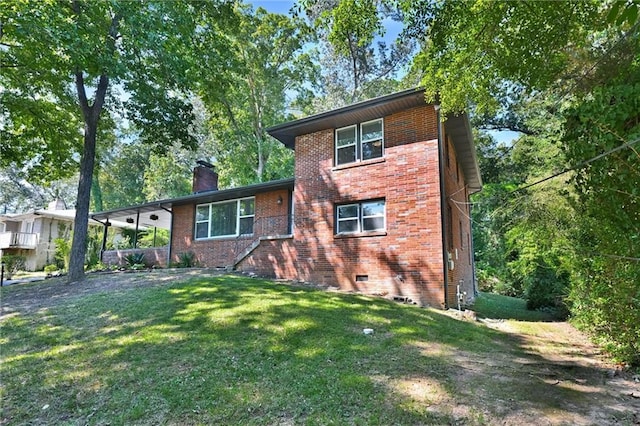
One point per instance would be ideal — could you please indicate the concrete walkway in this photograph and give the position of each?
(22, 280)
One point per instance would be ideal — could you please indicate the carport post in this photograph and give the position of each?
(104, 238)
(135, 236)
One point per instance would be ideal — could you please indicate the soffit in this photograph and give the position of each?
(458, 127)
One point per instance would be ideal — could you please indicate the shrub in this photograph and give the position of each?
(546, 286)
(147, 238)
(63, 252)
(187, 260)
(12, 264)
(135, 261)
(99, 266)
(94, 245)
(50, 269)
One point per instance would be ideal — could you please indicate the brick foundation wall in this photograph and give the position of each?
(155, 256)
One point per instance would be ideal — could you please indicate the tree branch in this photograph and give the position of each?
(82, 95)
(101, 92)
(504, 126)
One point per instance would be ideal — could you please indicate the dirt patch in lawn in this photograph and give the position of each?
(556, 376)
(30, 297)
(543, 373)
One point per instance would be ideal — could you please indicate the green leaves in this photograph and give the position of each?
(265, 66)
(623, 12)
(471, 48)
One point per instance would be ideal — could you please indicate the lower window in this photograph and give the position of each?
(360, 217)
(225, 219)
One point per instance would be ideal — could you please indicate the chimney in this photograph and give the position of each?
(57, 204)
(205, 177)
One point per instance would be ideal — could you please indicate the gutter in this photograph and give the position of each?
(443, 208)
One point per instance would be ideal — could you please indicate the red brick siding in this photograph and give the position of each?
(459, 231)
(407, 261)
(270, 219)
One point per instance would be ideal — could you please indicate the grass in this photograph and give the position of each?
(495, 306)
(235, 350)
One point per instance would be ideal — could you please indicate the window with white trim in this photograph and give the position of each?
(360, 217)
(225, 218)
(359, 142)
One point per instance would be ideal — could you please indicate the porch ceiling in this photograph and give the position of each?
(145, 212)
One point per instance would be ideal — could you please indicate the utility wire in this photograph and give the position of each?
(577, 166)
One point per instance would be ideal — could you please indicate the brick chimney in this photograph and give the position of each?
(205, 177)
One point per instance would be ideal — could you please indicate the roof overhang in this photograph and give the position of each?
(163, 209)
(459, 128)
(355, 113)
(60, 215)
(456, 125)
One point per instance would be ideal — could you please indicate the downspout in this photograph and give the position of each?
(290, 213)
(472, 254)
(443, 208)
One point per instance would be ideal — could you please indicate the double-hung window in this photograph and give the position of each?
(359, 142)
(360, 217)
(225, 219)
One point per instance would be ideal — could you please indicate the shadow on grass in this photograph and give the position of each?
(232, 350)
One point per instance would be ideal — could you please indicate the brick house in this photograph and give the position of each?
(378, 204)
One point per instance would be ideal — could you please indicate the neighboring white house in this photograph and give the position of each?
(33, 234)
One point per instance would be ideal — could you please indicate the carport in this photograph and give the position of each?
(148, 216)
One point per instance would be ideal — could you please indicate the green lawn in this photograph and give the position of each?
(235, 350)
(489, 305)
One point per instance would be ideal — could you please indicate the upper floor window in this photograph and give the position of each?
(225, 219)
(358, 143)
(27, 227)
(360, 217)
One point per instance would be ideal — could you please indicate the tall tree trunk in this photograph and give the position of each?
(81, 224)
(91, 115)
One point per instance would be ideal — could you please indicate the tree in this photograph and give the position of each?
(251, 93)
(18, 195)
(603, 129)
(62, 62)
(475, 53)
(482, 56)
(121, 175)
(355, 62)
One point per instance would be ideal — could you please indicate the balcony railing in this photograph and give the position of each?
(19, 240)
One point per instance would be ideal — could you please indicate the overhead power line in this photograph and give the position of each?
(578, 166)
